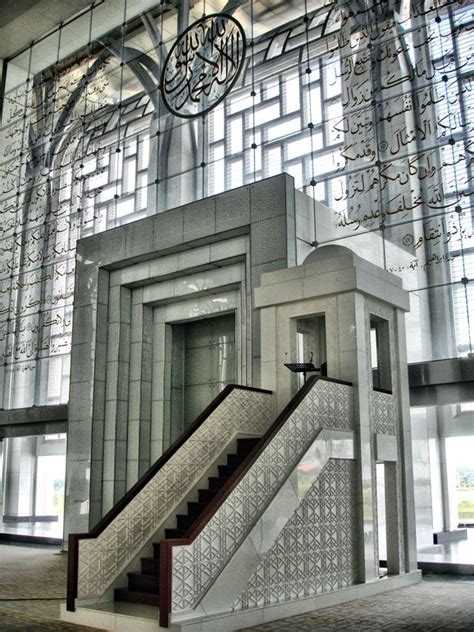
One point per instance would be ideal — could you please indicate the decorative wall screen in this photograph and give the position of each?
(368, 107)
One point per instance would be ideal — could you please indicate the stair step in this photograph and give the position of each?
(143, 583)
(214, 483)
(234, 460)
(183, 521)
(225, 471)
(151, 565)
(195, 509)
(205, 495)
(135, 596)
(245, 445)
(156, 551)
(174, 534)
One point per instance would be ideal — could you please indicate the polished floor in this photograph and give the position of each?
(33, 584)
(438, 604)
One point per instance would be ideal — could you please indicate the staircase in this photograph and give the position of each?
(143, 586)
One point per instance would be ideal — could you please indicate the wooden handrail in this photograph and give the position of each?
(166, 546)
(377, 389)
(73, 542)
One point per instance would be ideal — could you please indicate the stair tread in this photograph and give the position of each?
(226, 469)
(144, 582)
(136, 596)
(246, 443)
(212, 479)
(138, 574)
(152, 570)
(193, 504)
(174, 534)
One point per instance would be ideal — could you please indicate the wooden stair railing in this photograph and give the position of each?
(74, 538)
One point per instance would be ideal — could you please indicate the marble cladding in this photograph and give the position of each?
(384, 406)
(196, 566)
(103, 558)
(386, 448)
(330, 276)
(315, 552)
(124, 276)
(338, 287)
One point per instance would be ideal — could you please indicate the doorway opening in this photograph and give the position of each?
(203, 361)
(380, 354)
(311, 343)
(387, 518)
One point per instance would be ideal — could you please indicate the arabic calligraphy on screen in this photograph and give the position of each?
(203, 65)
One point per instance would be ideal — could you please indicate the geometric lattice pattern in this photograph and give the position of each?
(383, 413)
(316, 550)
(384, 406)
(102, 559)
(196, 566)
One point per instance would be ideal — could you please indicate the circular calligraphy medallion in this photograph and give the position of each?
(203, 65)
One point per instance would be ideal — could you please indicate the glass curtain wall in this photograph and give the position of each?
(367, 105)
(32, 485)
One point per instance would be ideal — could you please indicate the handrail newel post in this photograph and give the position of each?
(73, 571)
(165, 583)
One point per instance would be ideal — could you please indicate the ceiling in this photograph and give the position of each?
(12, 10)
(22, 21)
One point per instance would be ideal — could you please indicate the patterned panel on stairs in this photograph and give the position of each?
(316, 550)
(144, 585)
(196, 566)
(102, 559)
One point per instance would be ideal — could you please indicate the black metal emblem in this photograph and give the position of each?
(203, 65)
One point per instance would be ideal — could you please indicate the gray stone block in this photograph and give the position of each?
(168, 229)
(97, 440)
(233, 209)
(139, 237)
(112, 247)
(268, 198)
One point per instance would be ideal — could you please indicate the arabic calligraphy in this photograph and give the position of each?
(203, 65)
(416, 263)
(393, 142)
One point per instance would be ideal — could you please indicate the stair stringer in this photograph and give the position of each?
(213, 569)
